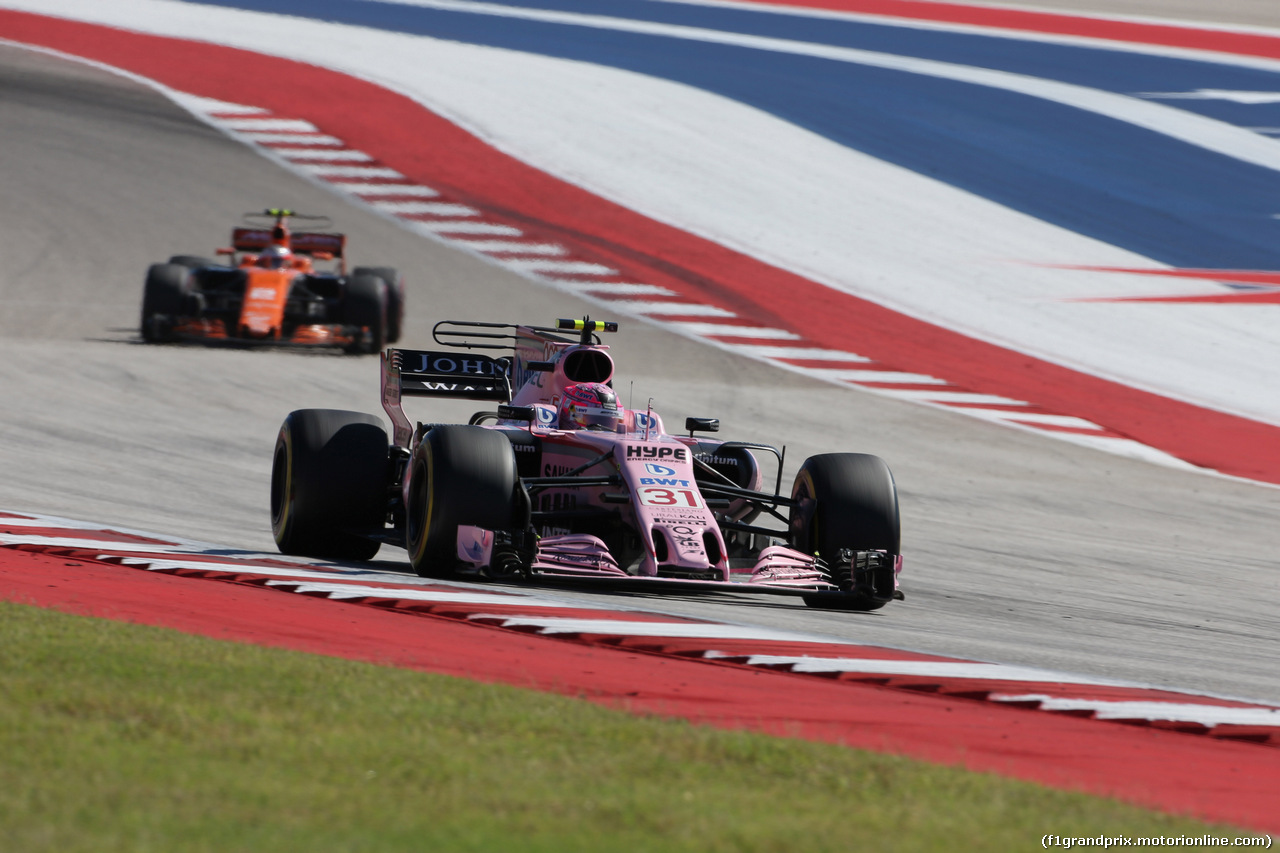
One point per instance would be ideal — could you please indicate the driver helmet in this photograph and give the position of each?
(275, 257)
(590, 405)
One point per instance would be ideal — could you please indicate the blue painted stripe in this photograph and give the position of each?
(1098, 177)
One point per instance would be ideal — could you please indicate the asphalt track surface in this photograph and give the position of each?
(1019, 549)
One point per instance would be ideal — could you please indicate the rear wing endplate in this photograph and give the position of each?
(424, 373)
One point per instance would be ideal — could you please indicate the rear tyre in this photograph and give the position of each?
(395, 298)
(458, 475)
(329, 484)
(364, 307)
(165, 296)
(847, 501)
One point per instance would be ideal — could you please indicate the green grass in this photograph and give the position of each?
(124, 737)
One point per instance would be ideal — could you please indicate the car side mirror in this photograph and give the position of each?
(702, 425)
(516, 413)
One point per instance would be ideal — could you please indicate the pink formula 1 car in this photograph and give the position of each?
(561, 481)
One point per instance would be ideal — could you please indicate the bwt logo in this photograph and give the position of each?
(659, 470)
(663, 481)
(679, 454)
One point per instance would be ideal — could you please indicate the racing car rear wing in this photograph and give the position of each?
(423, 373)
(303, 242)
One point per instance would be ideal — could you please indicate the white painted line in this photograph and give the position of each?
(690, 630)
(326, 170)
(345, 155)
(797, 353)
(434, 208)
(513, 247)
(1206, 715)
(617, 287)
(872, 377)
(715, 330)
(929, 396)
(447, 226)
(367, 189)
(318, 139)
(670, 309)
(277, 124)
(561, 267)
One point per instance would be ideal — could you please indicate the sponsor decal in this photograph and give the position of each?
(720, 460)
(663, 481)
(659, 470)
(660, 496)
(546, 414)
(262, 293)
(451, 386)
(646, 421)
(550, 470)
(639, 453)
(436, 363)
(673, 515)
(687, 539)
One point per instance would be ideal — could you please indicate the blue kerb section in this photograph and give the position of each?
(1098, 177)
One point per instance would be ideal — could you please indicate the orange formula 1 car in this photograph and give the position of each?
(274, 294)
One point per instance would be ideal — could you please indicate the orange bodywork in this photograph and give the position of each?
(265, 293)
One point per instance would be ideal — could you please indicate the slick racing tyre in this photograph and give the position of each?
(364, 306)
(847, 501)
(193, 262)
(395, 298)
(329, 484)
(165, 297)
(458, 475)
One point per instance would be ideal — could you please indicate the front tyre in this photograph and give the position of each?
(329, 484)
(847, 501)
(458, 475)
(364, 309)
(165, 297)
(395, 298)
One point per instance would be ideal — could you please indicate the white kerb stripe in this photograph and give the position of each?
(1033, 418)
(670, 309)
(455, 226)
(435, 208)
(617, 287)
(716, 330)
(692, 630)
(318, 139)
(562, 267)
(367, 189)
(340, 155)
(871, 377)
(514, 247)
(327, 170)
(276, 124)
(929, 396)
(344, 590)
(918, 668)
(797, 353)
(1206, 715)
